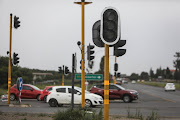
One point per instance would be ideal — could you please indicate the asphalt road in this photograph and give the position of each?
(166, 104)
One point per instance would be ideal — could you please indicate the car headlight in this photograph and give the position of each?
(134, 93)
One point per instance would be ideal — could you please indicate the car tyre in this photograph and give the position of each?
(53, 103)
(38, 97)
(12, 97)
(44, 99)
(127, 98)
(88, 103)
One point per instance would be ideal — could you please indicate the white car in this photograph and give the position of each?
(133, 82)
(170, 86)
(60, 95)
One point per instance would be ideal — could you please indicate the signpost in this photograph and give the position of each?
(90, 77)
(19, 87)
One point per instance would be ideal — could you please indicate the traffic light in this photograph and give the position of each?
(110, 26)
(66, 70)
(15, 59)
(115, 67)
(96, 34)
(114, 74)
(60, 70)
(16, 22)
(118, 75)
(90, 51)
(119, 52)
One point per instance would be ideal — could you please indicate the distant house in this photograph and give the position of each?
(40, 76)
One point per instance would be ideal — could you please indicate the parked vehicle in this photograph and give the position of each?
(170, 87)
(116, 92)
(133, 82)
(60, 95)
(45, 93)
(28, 91)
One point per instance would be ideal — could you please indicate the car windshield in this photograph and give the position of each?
(79, 89)
(120, 87)
(36, 88)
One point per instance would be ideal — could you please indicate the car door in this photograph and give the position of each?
(114, 92)
(27, 92)
(77, 96)
(61, 95)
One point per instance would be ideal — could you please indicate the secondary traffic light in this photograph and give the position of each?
(118, 75)
(60, 70)
(15, 59)
(110, 26)
(66, 70)
(16, 22)
(115, 67)
(119, 52)
(96, 34)
(90, 51)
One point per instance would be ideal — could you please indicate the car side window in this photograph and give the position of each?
(70, 91)
(26, 87)
(113, 87)
(49, 89)
(61, 90)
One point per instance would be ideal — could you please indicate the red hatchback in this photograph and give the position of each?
(28, 91)
(116, 92)
(45, 93)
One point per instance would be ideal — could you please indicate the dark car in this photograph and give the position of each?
(45, 93)
(116, 92)
(28, 91)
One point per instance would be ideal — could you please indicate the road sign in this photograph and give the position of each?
(20, 84)
(95, 77)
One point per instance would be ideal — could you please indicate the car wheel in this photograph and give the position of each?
(44, 99)
(88, 103)
(38, 97)
(127, 99)
(53, 102)
(12, 97)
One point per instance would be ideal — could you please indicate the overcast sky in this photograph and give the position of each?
(50, 30)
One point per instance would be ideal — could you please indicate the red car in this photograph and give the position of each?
(45, 93)
(116, 92)
(28, 91)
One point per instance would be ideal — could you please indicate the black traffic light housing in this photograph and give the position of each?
(60, 70)
(16, 22)
(115, 67)
(118, 75)
(119, 52)
(90, 51)
(110, 26)
(15, 58)
(66, 70)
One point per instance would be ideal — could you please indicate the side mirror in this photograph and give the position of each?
(78, 93)
(32, 89)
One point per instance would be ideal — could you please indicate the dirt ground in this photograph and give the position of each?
(34, 116)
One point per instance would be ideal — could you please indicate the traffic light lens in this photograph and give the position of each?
(109, 35)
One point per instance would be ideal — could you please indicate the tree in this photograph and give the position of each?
(134, 76)
(177, 61)
(144, 76)
(101, 66)
(151, 73)
(168, 73)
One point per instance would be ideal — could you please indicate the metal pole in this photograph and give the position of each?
(72, 98)
(9, 67)
(115, 76)
(83, 60)
(63, 77)
(106, 83)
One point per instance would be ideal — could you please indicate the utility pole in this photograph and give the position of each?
(115, 75)
(9, 66)
(63, 76)
(83, 3)
(106, 83)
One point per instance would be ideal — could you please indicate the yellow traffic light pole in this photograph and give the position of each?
(83, 3)
(9, 66)
(63, 79)
(115, 76)
(106, 83)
